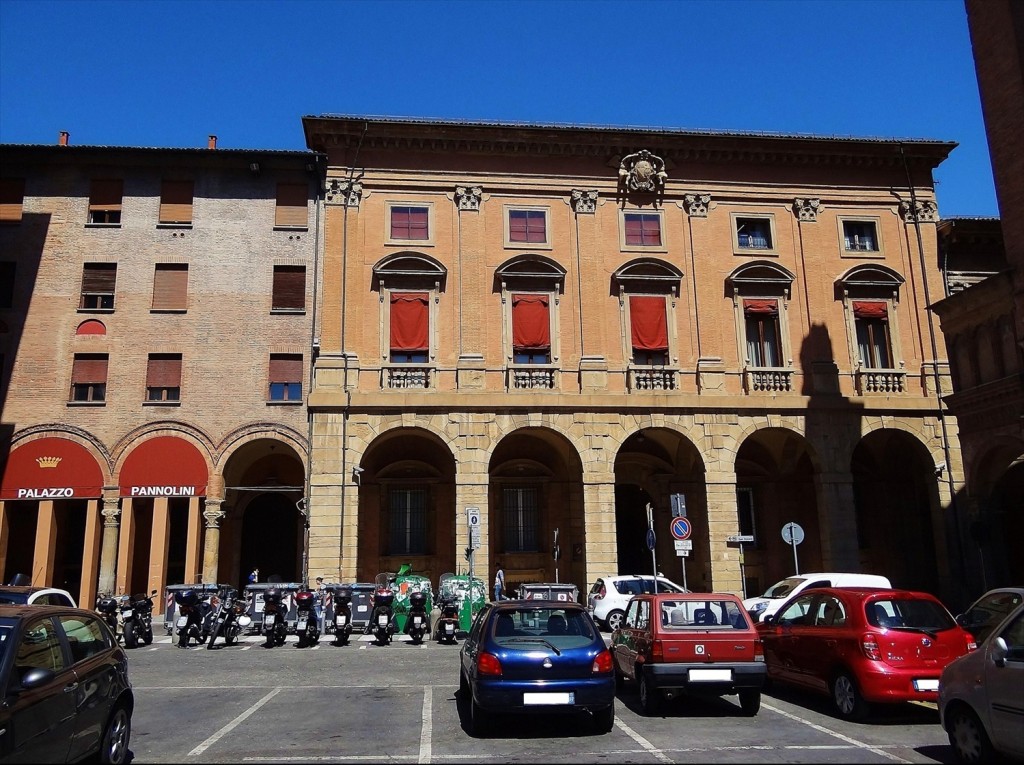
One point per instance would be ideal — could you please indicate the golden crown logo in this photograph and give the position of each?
(48, 462)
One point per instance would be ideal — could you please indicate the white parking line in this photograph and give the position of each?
(840, 736)
(232, 725)
(642, 741)
(425, 740)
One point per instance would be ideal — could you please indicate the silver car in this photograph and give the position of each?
(981, 695)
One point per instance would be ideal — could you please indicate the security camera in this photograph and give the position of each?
(357, 469)
(357, 474)
(939, 467)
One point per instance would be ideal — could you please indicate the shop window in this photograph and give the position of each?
(176, 202)
(12, 200)
(163, 377)
(170, 287)
(89, 377)
(641, 229)
(519, 513)
(285, 377)
(98, 280)
(407, 522)
(531, 329)
(289, 290)
(527, 226)
(292, 202)
(761, 325)
(871, 319)
(410, 223)
(649, 329)
(105, 202)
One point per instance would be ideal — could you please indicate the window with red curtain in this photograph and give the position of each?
(643, 229)
(649, 329)
(410, 326)
(527, 226)
(531, 329)
(870, 309)
(409, 223)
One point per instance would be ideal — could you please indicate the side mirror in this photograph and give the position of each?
(999, 652)
(771, 620)
(961, 619)
(36, 678)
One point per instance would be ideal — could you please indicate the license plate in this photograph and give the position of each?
(301, 625)
(341, 621)
(530, 699)
(710, 675)
(128, 614)
(362, 608)
(382, 621)
(449, 628)
(268, 619)
(417, 621)
(182, 621)
(926, 685)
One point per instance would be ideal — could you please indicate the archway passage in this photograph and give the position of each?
(998, 527)
(271, 539)
(631, 530)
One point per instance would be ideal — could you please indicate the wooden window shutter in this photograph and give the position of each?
(106, 194)
(170, 287)
(292, 201)
(289, 288)
(89, 369)
(285, 368)
(164, 371)
(99, 278)
(176, 201)
(12, 199)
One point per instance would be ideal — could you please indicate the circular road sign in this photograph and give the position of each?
(680, 528)
(792, 534)
(651, 539)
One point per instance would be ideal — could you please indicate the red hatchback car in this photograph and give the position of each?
(863, 646)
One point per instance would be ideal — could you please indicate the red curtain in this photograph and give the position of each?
(531, 328)
(767, 307)
(409, 321)
(874, 309)
(650, 327)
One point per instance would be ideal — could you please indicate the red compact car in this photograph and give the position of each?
(863, 646)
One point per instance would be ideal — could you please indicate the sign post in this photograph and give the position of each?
(793, 534)
(651, 542)
(556, 553)
(741, 539)
(681, 529)
(473, 522)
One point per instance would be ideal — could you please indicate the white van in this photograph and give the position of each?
(776, 595)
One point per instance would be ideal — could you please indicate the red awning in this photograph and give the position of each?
(766, 307)
(870, 309)
(164, 467)
(51, 468)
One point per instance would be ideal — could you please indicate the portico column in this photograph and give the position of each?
(213, 514)
(600, 532)
(46, 539)
(471, 491)
(723, 522)
(838, 518)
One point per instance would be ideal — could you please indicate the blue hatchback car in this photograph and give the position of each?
(536, 656)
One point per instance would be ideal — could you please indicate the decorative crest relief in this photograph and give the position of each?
(642, 171)
(468, 197)
(927, 212)
(697, 205)
(584, 202)
(806, 209)
(339, 191)
(48, 462)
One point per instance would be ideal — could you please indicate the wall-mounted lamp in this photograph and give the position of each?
(357, 475)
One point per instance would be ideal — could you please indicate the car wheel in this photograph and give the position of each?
(614, 620)
(604, 719)
(114, 745)
(463, 687)
(750, 702)
(650, 698)
(847, 698)
(479, 718)
(968, 738)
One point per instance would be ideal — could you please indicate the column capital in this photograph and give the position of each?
(806, 209)
(697, 205)
(111, 511)
(468, 197)
(584, 201)
(214, 513)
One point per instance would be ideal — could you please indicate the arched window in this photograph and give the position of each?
(648, 289)
(870, 295)
(760, 292)
(530, 287)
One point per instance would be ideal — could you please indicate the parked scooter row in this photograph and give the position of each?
(130, 617)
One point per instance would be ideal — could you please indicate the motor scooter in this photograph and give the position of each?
(448, 622)
(107, 607)
(307, 623)
(275, 617)
(342, 615)
(192, 617)
(418, 623)
(137, 619)
(382, 616)
(228, 618)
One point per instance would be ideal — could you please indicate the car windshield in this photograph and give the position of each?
(14, 598)
(914, 614)
(691, 614)
(555, 627)
(783, 589)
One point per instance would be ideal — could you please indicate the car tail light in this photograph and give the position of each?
(758, 650)
(488, 664)
(658, 650)
(971, 645)
(601, 593)
(602, 662)
(869, 645)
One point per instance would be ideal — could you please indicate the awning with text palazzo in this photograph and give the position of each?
(164, 467)
(51, 468)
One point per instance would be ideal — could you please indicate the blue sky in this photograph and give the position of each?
(170, 73)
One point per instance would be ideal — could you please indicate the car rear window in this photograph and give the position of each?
(699, 614)
(563, 628)
(911, 613)
(14, 598)
(629, 587)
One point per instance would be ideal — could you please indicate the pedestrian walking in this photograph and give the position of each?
(254, 577)
(499, 583)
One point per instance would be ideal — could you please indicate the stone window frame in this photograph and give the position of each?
(408, 271)
(734, 219)
(649, 277)
(505, 216)
(536, 275)
(430, 241)
(872, 282)
(663, 247)
(876, 221)
(762, 280)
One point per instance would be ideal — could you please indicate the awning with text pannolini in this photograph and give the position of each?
(165, 466)
(51, 468)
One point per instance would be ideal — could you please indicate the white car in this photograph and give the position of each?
(981, 695)
(610, 595)
(776, 595)
(35, 596)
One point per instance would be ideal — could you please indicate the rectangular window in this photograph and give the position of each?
(410, 223)
(528, 226)
(105, 202)
(292, 201)
(8, 269)
(285, 377)
(89, 377)
(170, 287)
(871, 318)
(12, 199)
(745, 512)
(754, 233)
(98, 281)
(519, 518)
(410, 327)
(761, 319)
(163, 377)
(642, 229)
(649, 330)
(860, 236)
(176, 201)
(531, 329)
(289, 291)
(407, 521)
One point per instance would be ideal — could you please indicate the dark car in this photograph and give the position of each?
(536, 656)
(863, 646)
(65, 689)
(694, 643)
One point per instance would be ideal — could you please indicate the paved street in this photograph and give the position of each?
(397, 703)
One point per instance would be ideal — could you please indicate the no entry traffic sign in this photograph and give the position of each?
(680, 528)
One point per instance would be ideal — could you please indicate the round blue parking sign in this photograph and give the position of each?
(651, 539)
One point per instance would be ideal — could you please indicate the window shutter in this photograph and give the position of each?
(285, 368)
(99, 277)
(410, 321)
(89, 369)
(176, 201)
(291, 205)
(12, 199)
(870, 309)
(531, 326)
(164, 371)
(762, 307)
(649, 322)
(170, 287)
(106, 195)
(289, 288)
